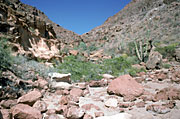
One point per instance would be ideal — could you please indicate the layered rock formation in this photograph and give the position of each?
(30, 30)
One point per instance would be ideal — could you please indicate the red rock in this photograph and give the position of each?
(158, 109)
(22, 111)
(8, 103)
(126, 105)
(5, 114)
(94, 83)
(41, 106)
(125, 86)
(76, 92)
(64, 100)
(42, 83)
(89, 106)
(167, 94)
(129, 98)
(140, 104)
(99, 114)
(75, 113)
(87, 116)
(30, 98)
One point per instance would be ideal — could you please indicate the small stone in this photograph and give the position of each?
(99, 114)
(40, 105)
(158, 109)
(112, 102)
(75, 113)
(76, 92)
(140, 104)
(64, 100)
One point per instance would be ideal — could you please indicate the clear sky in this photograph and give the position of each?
(79, 16)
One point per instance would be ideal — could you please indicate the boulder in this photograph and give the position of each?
(30, 98)
(22, 111)
(125, 86)
(154, 61)
(8, 103)
(5, 114)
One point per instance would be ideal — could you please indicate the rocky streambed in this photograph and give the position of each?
(151, 95)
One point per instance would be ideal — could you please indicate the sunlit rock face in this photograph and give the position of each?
(31, 32)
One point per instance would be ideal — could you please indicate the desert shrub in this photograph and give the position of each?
(28, 69)
(80, 70)
(167, 51)
(5, 55)
(166, 66)
(85, 71)
(82, 46)
(92, 47)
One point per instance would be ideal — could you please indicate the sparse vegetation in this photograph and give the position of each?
(27, 69)
(5, 55)
(167, 51)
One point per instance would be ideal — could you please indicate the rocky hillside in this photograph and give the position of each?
(140, 20)
(28, 28)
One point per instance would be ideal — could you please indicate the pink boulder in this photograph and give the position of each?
(22, 111)
(30, 98)
(125, 86)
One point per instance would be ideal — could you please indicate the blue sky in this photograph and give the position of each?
(79, 16)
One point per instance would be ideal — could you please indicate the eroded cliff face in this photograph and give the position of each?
(147, 20)
(30, 30)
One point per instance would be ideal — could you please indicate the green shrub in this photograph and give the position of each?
(85, 71)
(80, 70)
(166, 66)
(167, 51)
(5, 55)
